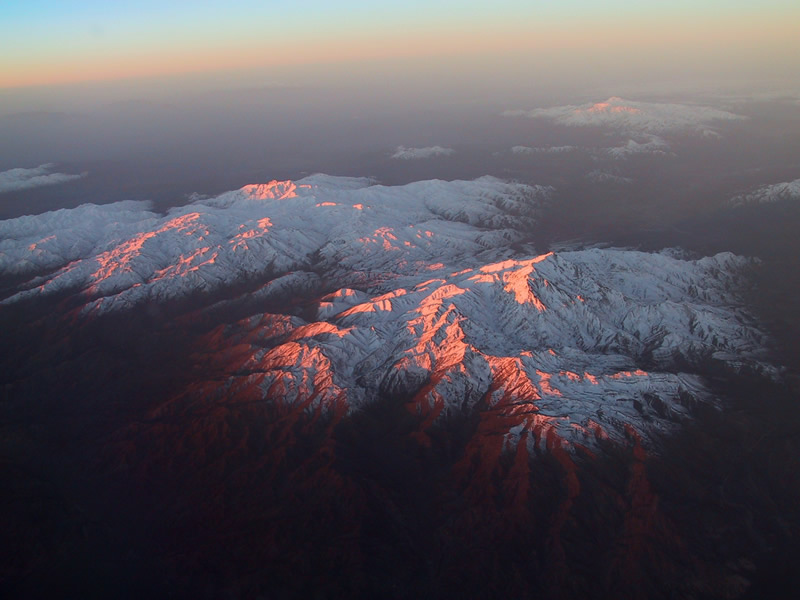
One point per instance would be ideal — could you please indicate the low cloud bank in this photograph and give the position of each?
(14, 180)
(404, 153)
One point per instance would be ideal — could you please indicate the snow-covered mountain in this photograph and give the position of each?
(558, 348)
(650, 144)
(430, 304)
(776, 192)
(122, 254)
(633, 116)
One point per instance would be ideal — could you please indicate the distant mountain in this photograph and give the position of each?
(634, 117)
(776, 192)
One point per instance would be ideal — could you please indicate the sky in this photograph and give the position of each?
(53, 42)
(209, 95)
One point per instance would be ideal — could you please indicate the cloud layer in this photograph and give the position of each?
(543, 150)
(600, 176)
(404, 153)
(22, 179)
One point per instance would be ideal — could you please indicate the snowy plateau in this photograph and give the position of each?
(430, 293)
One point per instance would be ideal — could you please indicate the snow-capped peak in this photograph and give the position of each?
(633, 116)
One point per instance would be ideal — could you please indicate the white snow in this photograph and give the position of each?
(632, 116)
(648, 144)
(121, 254)
(431, 304)
(553, 341)
(776, 192)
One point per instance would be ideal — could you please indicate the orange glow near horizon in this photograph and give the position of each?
(757, 37)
